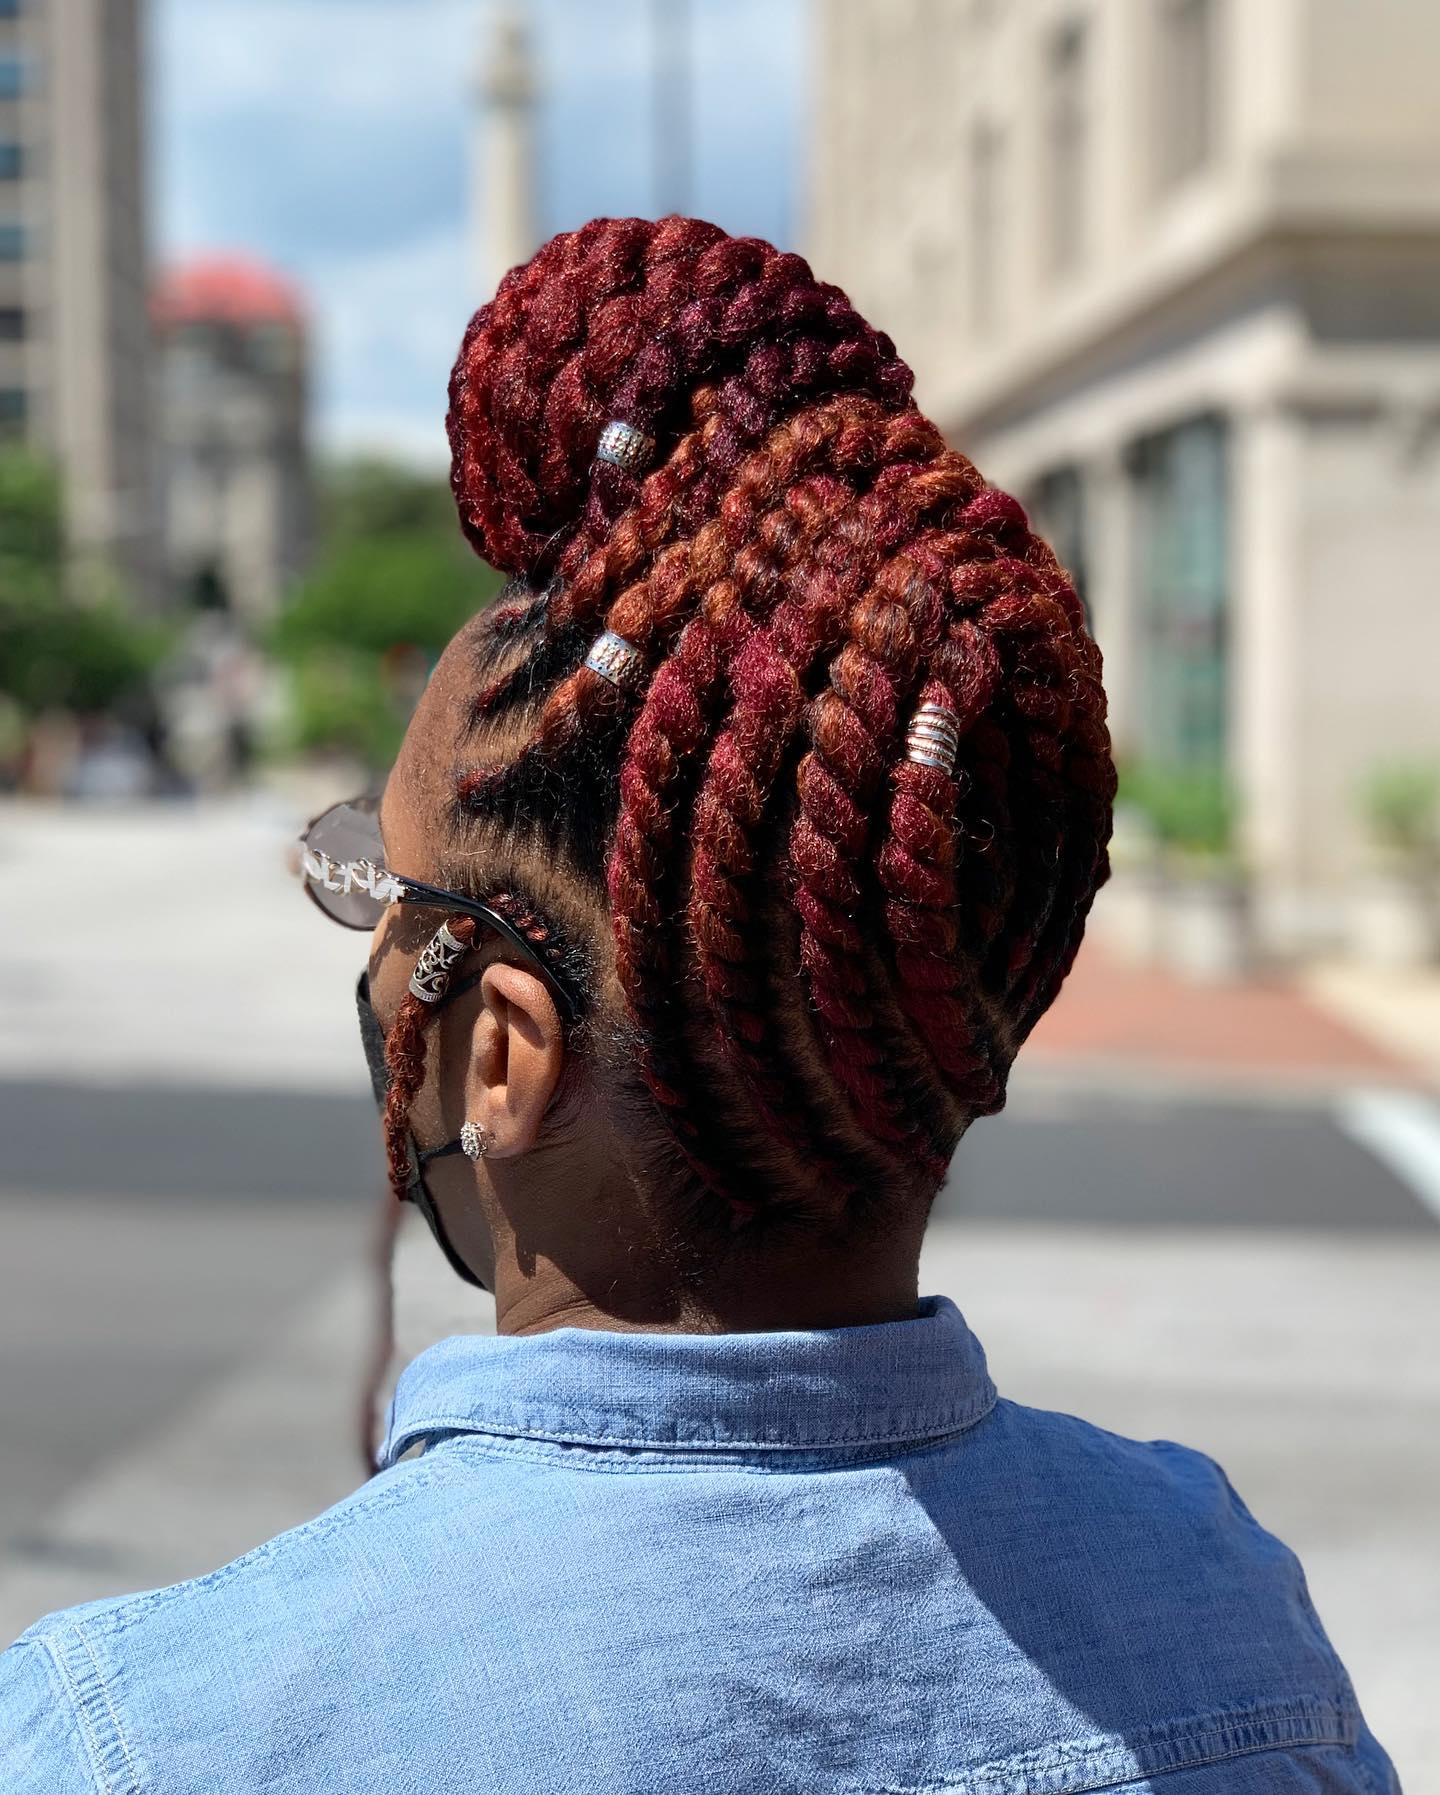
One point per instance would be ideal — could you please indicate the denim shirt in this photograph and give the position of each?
(828, 1563)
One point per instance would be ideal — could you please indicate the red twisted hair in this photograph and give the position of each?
(827, 953)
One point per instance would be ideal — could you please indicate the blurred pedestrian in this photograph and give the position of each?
(727, 864)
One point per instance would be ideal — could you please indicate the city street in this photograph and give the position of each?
(1048, 416)
(190, 1176)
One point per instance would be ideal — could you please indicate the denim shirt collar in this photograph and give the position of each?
(889, 1385)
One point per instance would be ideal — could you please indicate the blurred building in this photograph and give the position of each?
(237, 505)
(75, 351)
(503, 230)
(1170, 270)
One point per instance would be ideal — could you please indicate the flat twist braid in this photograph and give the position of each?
(650, 612)
(711, 663)
(770, 685)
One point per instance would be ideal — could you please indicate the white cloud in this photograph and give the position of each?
(392, 325)
(331, 138)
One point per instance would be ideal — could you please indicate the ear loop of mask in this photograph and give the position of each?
(417, 1190)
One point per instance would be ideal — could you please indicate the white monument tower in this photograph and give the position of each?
(502, 174)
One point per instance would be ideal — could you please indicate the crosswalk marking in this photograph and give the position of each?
(1402, 1130)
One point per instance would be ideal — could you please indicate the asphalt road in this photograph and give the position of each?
(1054, 1154)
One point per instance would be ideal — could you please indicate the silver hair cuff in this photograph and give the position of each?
(933, 739)
(625, 447)
(431, 977)
(613, 658)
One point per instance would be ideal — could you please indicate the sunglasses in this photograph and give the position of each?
(342, 864)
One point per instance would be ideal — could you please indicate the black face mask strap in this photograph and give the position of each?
(416, 1190)
(448, 1151)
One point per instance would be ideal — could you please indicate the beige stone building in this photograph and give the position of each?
(1170, 271)
(75, 354)
(234, 431)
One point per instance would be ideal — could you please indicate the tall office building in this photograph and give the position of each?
(75, 347)
(1170, 271)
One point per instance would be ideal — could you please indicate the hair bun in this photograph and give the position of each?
(625, 319)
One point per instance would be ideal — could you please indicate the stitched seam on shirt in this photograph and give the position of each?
(119, 1731)
(1048, 1772)
(505, 1447)
(82, 1713)
(416, 1472)
(944, 1427)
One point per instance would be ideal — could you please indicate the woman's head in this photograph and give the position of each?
(819, 839)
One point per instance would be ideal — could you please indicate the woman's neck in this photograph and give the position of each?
(829, 1292)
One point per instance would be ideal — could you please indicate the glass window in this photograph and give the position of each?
(12, 158)
(1182, 537)
(986, 248)
(13, 72)
(10, 9)
(270, 347)
(14, 403)
(1067, 146)
(12, 323)
(1057, 506)
(12, 241)
(1185, 121)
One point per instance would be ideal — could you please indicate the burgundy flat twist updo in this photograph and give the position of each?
(827, 952)
(625, 319)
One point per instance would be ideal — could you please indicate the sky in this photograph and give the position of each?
(331, 139)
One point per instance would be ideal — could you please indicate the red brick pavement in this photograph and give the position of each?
(1146, 1017)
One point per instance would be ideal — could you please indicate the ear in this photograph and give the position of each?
(517, 1054)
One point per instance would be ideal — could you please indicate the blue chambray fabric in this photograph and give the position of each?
(821, 1563)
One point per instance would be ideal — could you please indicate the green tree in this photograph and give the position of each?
(1400, 800)
(1191, 811)
(54, 650)
(393, 581)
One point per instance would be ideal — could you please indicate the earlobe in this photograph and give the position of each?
(517, 1056)
(476, 1140)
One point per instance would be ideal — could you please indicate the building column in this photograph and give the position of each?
(1265, 661)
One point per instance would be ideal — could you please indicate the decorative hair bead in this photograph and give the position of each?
(933, 739)
(613, 658)
(431, 977)
(625, 447)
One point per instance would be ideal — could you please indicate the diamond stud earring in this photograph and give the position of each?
(475, 1141)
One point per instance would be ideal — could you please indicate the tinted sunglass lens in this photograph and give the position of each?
(341, 849)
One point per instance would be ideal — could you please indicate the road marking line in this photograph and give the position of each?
(1402, 1130)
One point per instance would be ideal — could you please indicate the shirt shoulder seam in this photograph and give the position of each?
(51, 1647)
(113, 1621)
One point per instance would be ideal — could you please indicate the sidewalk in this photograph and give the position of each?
(1401, 1007)
(1334, 1026)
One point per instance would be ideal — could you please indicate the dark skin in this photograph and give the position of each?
(554, 1218)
